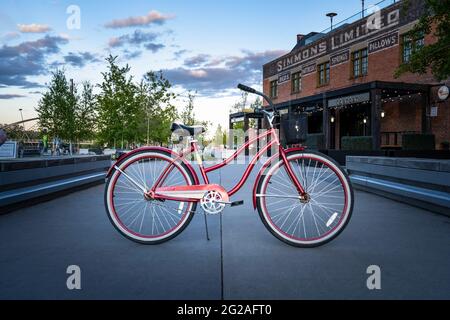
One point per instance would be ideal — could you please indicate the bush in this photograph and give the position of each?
(357, 143)
(418, 142)
(315, 141)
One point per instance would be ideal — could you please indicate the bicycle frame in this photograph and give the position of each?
(204, 171)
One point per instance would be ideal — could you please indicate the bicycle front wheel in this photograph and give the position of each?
(305, 223)
(141, 219)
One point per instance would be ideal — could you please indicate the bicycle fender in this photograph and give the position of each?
(263, 169)
(149, 149)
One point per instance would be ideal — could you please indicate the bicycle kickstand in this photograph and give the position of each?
(206, 226)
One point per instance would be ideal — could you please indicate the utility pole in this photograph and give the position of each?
(363, 8)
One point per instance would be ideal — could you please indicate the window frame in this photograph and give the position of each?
(296, 78)
(274, 87)
(413, 46)
(360, 63)
(323, 74)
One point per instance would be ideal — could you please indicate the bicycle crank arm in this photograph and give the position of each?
(232, 204)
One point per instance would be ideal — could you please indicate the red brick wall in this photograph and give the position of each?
(401, 116)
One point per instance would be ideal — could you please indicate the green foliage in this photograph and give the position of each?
(86, 114)
(159, 111)
(436, 20)
(188, 115)
(417, 142)
(220, 137)
(240, 105)
(13, 132)
(357, 143)
(120, 110)
(56, 109)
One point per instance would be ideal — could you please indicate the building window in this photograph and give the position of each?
(409, 46)
(274, 89)
(296, 82)
(323, 73)
(360, 63)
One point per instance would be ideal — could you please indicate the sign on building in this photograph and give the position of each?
(284, 77)
(348, 100)
(384, 42)
(379, 29)
(340, 58)
(434, 112)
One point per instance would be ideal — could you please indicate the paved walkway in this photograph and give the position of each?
(38, 243)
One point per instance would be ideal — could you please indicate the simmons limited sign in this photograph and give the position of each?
(385, 20)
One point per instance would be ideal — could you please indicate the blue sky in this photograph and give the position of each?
(204, 46)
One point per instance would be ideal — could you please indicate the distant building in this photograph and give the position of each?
(344, 80)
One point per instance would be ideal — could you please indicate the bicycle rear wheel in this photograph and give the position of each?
(138, 218)
(305, 223)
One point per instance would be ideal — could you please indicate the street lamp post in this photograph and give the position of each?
(21, 116)
(331, 15)
(363, 8)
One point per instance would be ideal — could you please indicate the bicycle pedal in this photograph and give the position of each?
(237, 203)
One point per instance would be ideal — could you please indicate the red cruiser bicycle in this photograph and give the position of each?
(303, 198)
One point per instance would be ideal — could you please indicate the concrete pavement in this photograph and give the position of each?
(38, 243)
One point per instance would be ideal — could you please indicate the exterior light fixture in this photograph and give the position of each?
(332, 119)
(331, 15)
(365, 120)
(383, 114)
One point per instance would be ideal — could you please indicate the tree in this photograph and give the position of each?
(436, 20)
(240, 105)
(220, 137)
(120, 112)
(86, 113)
(188, 115)
(56, 109)
(160, 113)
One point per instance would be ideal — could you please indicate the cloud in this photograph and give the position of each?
(197, 60)
(210, 75)
(27, 59)
(178, 54)
(132, 54)
(154, 47)
(33, 28)
(10, 36)
(137, 39)
(153, 17)
(253, 60)
(10, 96)
(80, 59)
(208, 80)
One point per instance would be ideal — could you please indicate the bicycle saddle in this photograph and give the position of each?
(186, 130)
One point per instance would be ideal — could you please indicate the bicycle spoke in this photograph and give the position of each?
(147, 218)
(298, 218)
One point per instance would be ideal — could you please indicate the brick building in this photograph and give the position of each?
(344, 81)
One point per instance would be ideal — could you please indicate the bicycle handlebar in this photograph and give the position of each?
(246, 88)
(251, 90)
